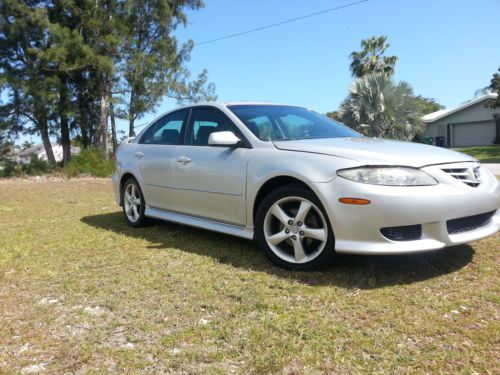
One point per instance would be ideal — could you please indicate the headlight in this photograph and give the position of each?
(390, 176)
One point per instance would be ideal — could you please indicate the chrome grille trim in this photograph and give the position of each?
(469, 175)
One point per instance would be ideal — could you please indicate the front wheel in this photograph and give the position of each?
(293, 230)
(133, 203)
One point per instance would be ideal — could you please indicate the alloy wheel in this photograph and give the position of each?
(132, 202)
(295, 230)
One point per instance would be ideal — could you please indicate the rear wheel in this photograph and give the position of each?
(133, 203)
(293, 230)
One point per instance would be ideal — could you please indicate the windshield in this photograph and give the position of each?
(283, 123)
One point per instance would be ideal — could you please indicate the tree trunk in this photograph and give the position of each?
(43, 128)
(113, 127)
(84, 110)
(101, 135)
(131, 131)
(63, 117)
(44, 133)
(131, 115)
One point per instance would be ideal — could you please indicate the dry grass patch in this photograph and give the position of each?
(80, 292)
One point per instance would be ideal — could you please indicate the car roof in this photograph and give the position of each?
(231, 103)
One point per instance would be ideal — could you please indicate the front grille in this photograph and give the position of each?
(470, 175)
(465, 224)
(403, 233)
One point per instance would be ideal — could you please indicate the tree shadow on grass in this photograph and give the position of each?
(348, 271)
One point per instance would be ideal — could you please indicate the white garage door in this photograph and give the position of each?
(473, 134)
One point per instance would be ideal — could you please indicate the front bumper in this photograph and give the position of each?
(357, 227)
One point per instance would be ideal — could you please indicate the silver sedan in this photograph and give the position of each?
(302, 185)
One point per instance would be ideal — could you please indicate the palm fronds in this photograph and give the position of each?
(377, 107)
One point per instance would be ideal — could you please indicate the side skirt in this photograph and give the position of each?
(233, 230)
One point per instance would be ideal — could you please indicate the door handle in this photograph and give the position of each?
(138, 154)
(183, 159)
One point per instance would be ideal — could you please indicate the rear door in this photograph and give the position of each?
(155, 156)
(211, 180)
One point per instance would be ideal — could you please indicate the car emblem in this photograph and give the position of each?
(476, 173)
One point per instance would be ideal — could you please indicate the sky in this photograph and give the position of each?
(447, 49)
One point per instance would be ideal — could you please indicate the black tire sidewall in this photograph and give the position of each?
(142, 219)
(328, 253)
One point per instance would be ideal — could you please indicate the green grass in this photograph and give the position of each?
(490, 154)
(80, 292)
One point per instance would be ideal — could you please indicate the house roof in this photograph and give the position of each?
(431, 117)
(35, 149)
(40, 149)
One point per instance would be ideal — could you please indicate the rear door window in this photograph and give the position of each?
(167, 130)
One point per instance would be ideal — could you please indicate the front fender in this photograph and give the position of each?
(309, 168)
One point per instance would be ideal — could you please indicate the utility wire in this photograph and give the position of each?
(281, 22)
(271, 26)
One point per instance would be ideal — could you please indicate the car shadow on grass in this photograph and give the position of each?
(348, 271)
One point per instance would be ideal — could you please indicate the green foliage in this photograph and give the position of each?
(334, 115)
(63, 62)
(428, 105)
(6, 167)
(36, 167)
(89, 162)
(199, 90)
(495, 88)
(26, 145)
(377, 107)
(28, 82)
(152, 62)
(371, 58)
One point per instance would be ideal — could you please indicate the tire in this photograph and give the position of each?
(285, 239)
(134, 216)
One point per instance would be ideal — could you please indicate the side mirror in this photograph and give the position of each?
(227, 139)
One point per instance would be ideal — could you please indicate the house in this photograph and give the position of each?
(39, 152)
(469, 124)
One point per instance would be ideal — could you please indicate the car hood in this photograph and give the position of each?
(375, 151)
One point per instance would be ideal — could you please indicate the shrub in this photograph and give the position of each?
(90, 161)
(7, 167)
(36, 167)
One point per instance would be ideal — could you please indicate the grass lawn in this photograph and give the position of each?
(489, 154)
(80, 292)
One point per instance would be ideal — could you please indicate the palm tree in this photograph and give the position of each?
(379, 108)
(370, 59)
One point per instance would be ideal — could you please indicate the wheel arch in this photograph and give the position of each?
(274, 183)
(124, 178)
